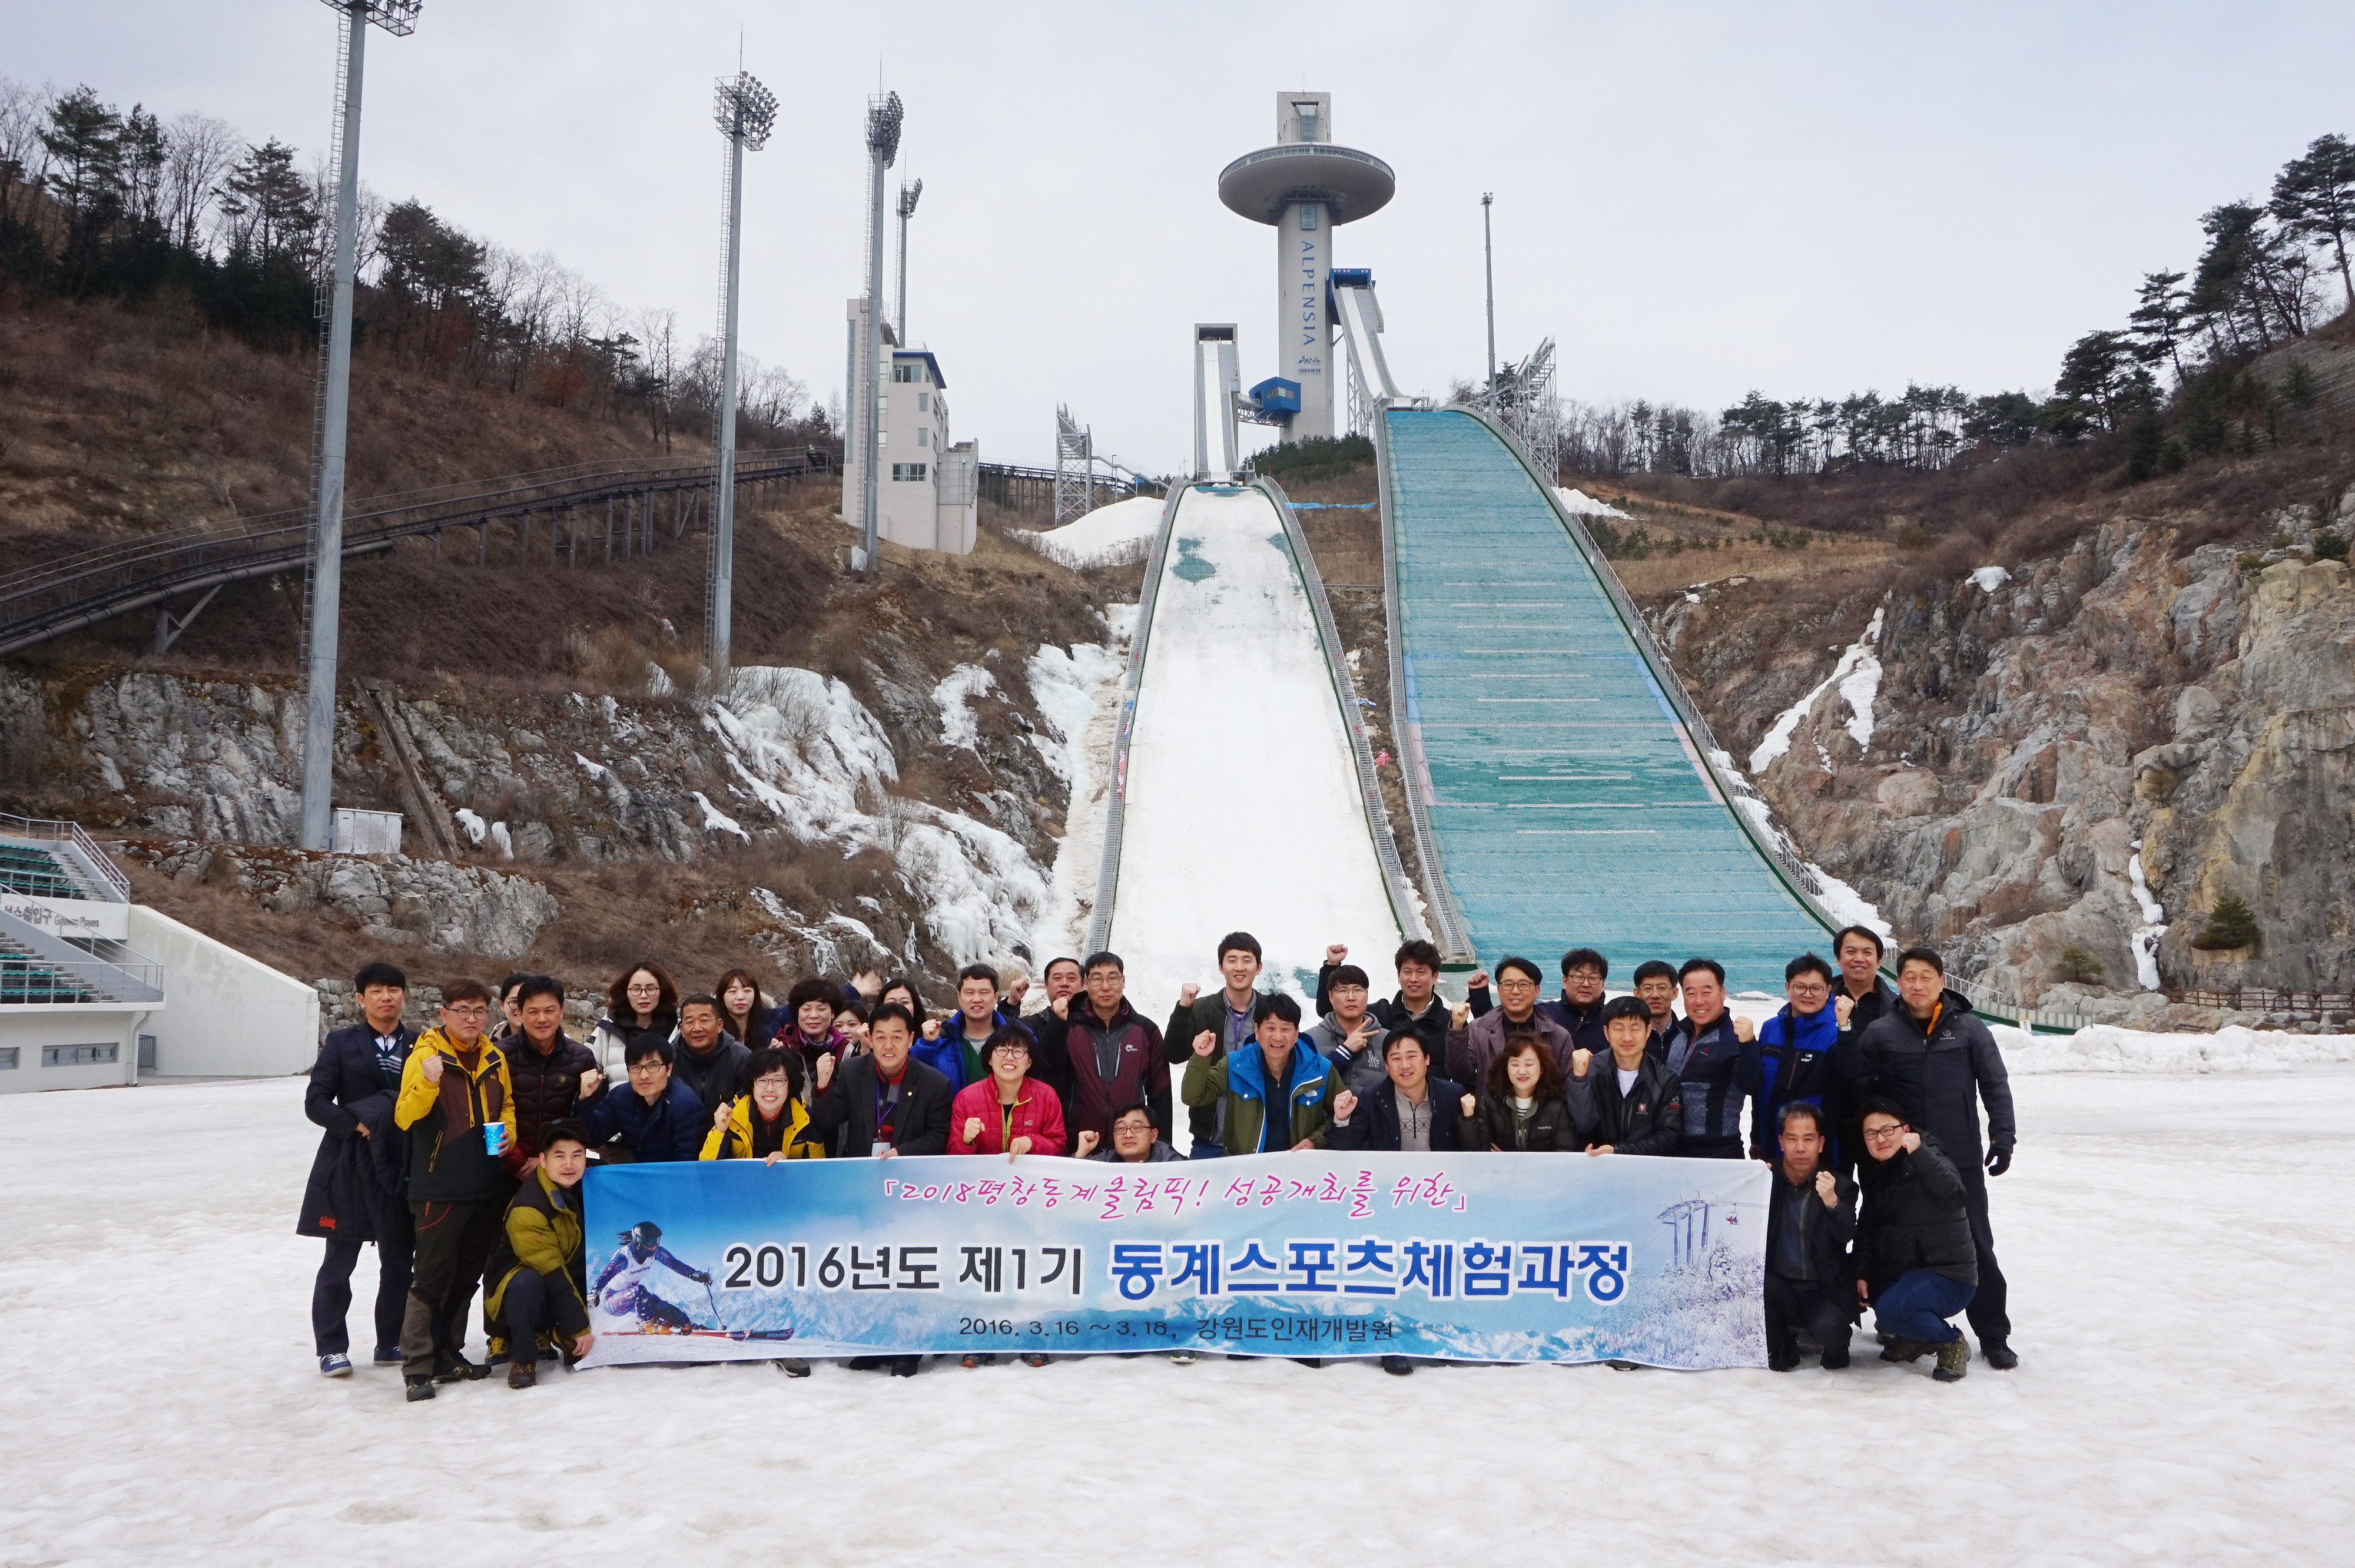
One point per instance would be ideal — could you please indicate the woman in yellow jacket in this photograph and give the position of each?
(767, 1122)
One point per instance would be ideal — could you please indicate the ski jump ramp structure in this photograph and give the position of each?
(1243, 789)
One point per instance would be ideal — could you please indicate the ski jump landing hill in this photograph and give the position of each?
(1566, 800)
(1243, 789)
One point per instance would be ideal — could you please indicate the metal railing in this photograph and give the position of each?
(111, 885)
(36, 966)
(1445, 921)
(1716, 759)
(1411, 923)
(1116, 804)
(51, 598)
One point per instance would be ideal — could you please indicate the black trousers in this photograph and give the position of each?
(331, 1291)
(527, 1310)
(454, 1243)
(1987, 1313)
(1825, 1308)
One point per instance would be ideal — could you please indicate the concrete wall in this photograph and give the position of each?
(30, 1030)
(228, 1015)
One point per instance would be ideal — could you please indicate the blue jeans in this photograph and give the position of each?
(1917, 1303)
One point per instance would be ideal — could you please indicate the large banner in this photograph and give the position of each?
(1482, 1257)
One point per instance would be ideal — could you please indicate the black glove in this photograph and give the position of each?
(1998, 1160)
(703, 1279)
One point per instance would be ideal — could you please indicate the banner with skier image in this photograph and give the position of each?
(1480, 1257)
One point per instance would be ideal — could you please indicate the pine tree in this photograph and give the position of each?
(2314, 197)
(2230, 923)
(85, 138)
(268, 201)
(2157, 323)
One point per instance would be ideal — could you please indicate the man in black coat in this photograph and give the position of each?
(709, 1060)
(1413, 1111)
(883, 1101)
(551, 1073)
(346, 1201)
(1937, 1061)
(1810, 1221)
(1915, 1258)
(1627, 1102)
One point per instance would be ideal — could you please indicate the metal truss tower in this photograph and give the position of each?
(1075, 468)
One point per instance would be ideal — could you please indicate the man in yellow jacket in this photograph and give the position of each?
(457, 1107)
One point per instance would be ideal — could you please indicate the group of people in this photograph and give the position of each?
(458, 1150)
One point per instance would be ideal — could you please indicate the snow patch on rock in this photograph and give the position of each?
(1991, 578)
(1858, 676)
(2153, 926)
(1578, 502)
(954, 696)
(1109, 536)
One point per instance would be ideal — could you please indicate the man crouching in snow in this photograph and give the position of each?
(622, 1288)
(541, 1264)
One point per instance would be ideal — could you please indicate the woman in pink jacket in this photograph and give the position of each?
(1009, 1111)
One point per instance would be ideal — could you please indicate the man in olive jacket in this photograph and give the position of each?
(539, 1277)
(1273, 1093)
(1227, 1017)
(457, 1107)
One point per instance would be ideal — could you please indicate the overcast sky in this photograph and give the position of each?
(1693, 199)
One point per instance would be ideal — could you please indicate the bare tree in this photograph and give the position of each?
(24, 156)
(198, 150)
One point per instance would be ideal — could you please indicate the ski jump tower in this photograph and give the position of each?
(1306, 187)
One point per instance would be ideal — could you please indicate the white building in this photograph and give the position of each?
(84, 973)
(930, 494)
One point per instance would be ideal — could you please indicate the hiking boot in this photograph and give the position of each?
(972, 1359)
(794, 1369)
(1034, 1359)
(416, 1386)
(1618, 1366)
(1183, 1358)
(866, 1363)
(1954, 1361)
(336, 1366)
(1835, 1358)
(450, 1366)
(1398, 1366)
(389, 1356)
(1998, 1354)
(1781, 1358)
(905, 1366)
(1901, 1348)
(522, 1374)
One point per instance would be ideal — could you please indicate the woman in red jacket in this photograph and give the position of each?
(1009, 1111)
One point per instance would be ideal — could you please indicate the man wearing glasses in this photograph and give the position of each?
(1705, 1053)
(1916, 1262)
(1471, 1050)
(457, 1107)
(1798, 1061)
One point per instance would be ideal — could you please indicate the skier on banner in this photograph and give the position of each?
(621, 1288)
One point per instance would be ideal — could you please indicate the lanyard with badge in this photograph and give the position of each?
(887, 1098)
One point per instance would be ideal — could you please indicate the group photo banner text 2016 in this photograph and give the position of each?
(1477, 1257)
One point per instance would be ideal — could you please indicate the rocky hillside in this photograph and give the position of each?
(2161, 691)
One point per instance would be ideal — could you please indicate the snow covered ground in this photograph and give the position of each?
(1122, 532)
(1243, 805)
(2173, 1243)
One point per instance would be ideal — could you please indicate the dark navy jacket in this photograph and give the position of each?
(672, 1128)
(1708, 1063)
(1940, 1071)
(1375, 1123)
(945, 1055)
(1584, 1028)
(352, 1178)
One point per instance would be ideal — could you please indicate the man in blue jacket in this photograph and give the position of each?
(352, 1088)
(1798, 1059)
(657, 1118)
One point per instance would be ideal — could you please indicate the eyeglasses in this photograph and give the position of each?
(1518, 983)
(468, 1011)
(1808, 987)
(1884, 1135)
(1132, 1126)
(1021, 1050)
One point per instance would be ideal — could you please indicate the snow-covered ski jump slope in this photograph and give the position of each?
(1565, 801)
(1240, 794)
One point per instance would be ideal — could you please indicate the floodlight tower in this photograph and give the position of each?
(907, 210)
(323, 611)
(1307, 187)
(883, 118)
(1489, 263)
(745, 112)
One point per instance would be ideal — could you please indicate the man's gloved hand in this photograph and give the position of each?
(1998, 1160)
(592, 1299)
(703, 1279)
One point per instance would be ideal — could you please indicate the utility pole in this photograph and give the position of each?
(745, 112)
(322, 623)
(883, 116)
(1489, 253)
